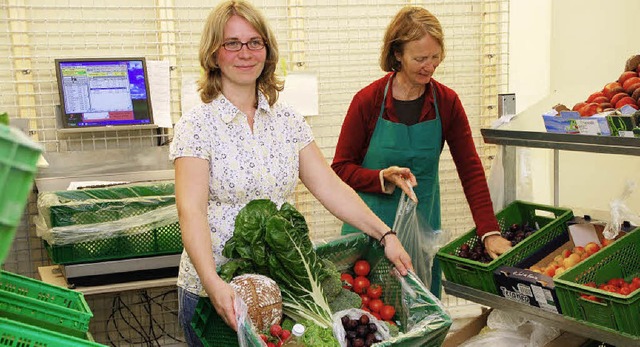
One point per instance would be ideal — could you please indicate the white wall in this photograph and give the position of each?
(573, 48)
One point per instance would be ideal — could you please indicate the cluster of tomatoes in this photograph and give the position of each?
(614, 285)
(276, 336)
(371, 294)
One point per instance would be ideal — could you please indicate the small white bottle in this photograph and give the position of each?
(295, 339)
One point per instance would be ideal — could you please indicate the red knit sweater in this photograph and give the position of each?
(360, 122)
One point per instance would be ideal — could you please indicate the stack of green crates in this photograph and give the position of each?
(18, 158)
(613, 312)
(97, 208)
(551, 221)
(421, 310)
(44, 305)
(16, 334)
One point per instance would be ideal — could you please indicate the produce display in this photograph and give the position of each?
(566, 260)
(616, 94)
(614, 285)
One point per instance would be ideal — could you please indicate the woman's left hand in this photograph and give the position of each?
(395, 252)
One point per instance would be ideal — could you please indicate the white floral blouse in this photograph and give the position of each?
(243, 166)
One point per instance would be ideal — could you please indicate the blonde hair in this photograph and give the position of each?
(410, 24)
(210, 83)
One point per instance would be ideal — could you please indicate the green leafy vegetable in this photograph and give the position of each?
(277, 244)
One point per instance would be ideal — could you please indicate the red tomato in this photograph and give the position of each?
(375, 305)
(376, 314)
(636, 280)
(387, 312)
(271, 344)
(625, 291)
(361, 268)
(365, 300)
(347, 281)
(374, 291)
(360, 284)
(264, 338)
(617, 282)
(610, 288)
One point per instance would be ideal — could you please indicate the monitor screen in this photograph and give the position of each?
(103, 92)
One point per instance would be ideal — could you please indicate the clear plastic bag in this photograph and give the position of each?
(620, 212)
(246, 329)
(339, 332)
(418, 238)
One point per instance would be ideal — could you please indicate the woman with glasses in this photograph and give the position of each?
(240, 144)
(395, 129)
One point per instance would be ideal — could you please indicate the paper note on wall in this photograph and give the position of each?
(301, 92)
(160, 90)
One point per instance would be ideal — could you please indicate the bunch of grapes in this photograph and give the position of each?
(516, 233)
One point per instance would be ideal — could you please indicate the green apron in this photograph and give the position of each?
(417, 147)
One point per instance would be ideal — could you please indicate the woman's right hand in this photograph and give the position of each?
(397, 255)
(222, 297)
(403, 178)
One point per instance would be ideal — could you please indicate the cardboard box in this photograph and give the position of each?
(570, 122)
(472, 329)
(538, 289)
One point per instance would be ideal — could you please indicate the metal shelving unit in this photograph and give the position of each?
(540, 315)
(518, 133)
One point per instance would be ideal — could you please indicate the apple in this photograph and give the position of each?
(571, 261)
(593, 96)
(578, 250)
(626, 75)
(627, 100)
(591, 247)
(617, 97)
(606, 242)
(611, 89)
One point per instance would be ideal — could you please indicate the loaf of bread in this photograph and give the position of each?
(263, 299)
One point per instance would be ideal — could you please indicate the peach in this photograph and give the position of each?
(611, 89)
(550, 270)
(536, 268)
(578, 106)
(636, 94)
(566, 253)
(558, 258)
(626, 75)
(629, 82)
(591, 247)
(600, 99)
(617, 97)
(627, 100)
(632, 88)
(559, 271)
(594, 96)
(589, 109)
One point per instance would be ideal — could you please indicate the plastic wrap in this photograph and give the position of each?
(620, 212)
(246, 330)
(70, 217)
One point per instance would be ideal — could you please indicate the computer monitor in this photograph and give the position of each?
(103, 92)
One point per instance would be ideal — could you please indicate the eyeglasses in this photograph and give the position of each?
(252, 45)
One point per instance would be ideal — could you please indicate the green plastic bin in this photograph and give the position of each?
(47, 306)
(551, 223)
(18, 158)
(614, 312)
(16, 334)
(97, 209)
(423, 310)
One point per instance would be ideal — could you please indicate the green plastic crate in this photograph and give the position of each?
(550, 220)
(18, 158)
(16, 334)
(614, 312)
(424, 310)
(47, 306)
(101, 206)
